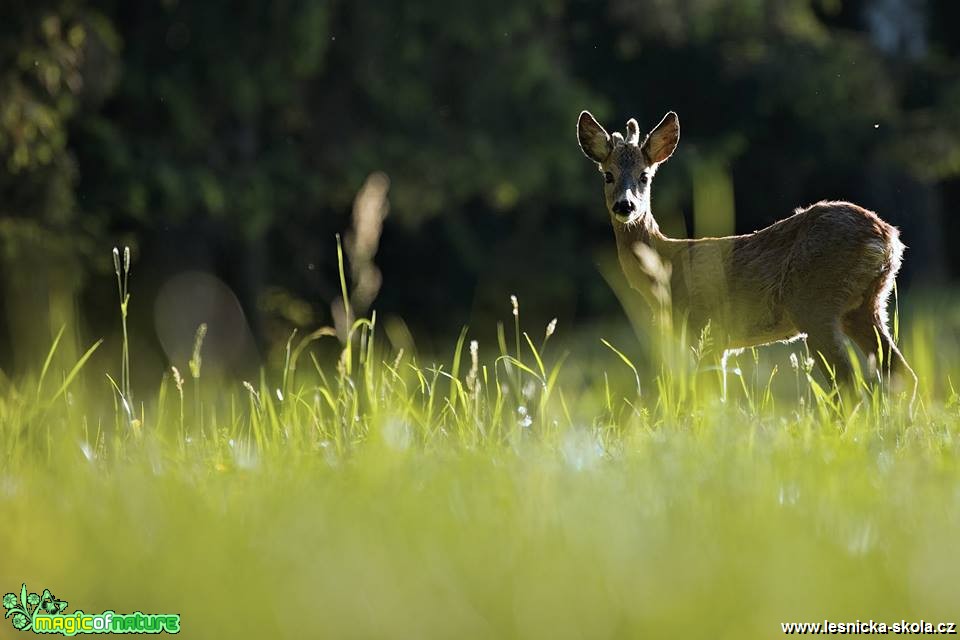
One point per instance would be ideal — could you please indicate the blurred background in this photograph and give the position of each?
(226, 143)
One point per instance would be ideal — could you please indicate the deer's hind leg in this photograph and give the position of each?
(867, 328)
(825, 338)
(827, 347)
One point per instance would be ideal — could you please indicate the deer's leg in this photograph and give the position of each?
(825, 342)
(870, 333)
(859, 326)
(825, 338)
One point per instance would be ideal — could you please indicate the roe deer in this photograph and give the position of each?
(825, 271)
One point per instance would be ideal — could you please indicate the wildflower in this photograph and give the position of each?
(551, 327)
(9, 601)
(581, 449)
(525, 419)
(116, 261)
(516, 306)
(20, 622)
(794, 363)
(126, 259)
(397, 435)
(33, 599)
(529, 388)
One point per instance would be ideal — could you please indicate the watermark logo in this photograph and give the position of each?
(44, 613)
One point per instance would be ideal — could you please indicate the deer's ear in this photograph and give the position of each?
(662, 141)
(594, 140)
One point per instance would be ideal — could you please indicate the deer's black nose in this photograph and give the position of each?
(624, 207)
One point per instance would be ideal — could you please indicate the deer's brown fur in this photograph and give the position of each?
(826, 271)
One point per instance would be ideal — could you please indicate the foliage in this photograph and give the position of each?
(208, 129)
(53, 57)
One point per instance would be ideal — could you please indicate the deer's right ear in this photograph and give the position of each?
(594, 140)
(662, 141)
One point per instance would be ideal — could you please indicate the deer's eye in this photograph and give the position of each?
(644, 178)
(608, 177)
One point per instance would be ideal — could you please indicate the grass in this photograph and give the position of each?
(513, 494)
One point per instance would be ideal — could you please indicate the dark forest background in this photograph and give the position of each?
(225, 142)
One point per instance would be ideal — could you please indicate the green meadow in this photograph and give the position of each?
(548, 486)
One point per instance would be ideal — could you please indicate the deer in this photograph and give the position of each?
(824, 273)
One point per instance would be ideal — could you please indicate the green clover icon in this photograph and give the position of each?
(54, 606)
(20, 621)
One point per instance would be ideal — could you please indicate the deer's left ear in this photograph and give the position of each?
(594, 139)
(662, 141)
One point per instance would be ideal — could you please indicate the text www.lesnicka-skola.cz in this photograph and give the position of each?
(867, 627)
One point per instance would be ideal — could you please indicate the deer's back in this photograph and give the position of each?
(824, 256)
(827, 252)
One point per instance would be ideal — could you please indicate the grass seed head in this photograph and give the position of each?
(196, 361)
(472, 386)
(177, 380)
(551, 327)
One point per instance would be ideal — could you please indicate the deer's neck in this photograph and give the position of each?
(642, 230)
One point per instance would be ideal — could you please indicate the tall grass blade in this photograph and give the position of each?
(46, 363)
(75, 370)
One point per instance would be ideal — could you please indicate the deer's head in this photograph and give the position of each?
(628, 162)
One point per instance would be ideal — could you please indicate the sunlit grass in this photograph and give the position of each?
(505, 492)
